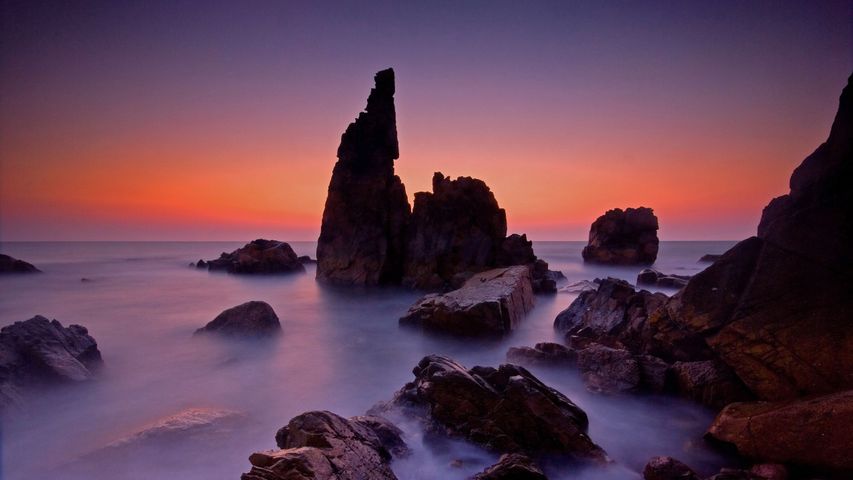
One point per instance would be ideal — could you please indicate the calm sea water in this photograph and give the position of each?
(341, 351)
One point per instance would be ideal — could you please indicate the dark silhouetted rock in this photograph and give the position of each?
(512, 466)
(257, 257)
(668, 468)
(710, 257)
(654, 278)
(323, 446)
(709, 382)
(39, 352)
(491, 303)
(542, 354)
(609, 370)
(306, 260)
(362, 237)
(504, 409)
(581, 286)
(623, 237)
(518, 250)
(812, 433)
(250, 319)
(13, 265)
(653, 373)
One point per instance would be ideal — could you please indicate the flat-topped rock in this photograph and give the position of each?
(489, 303)
(257, 257)
(623, 237)
(13, 265)
(250, 319)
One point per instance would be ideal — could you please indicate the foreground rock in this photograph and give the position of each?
(250, 319)
(812, 433)
(623, 237)
(490, 303)
(13, 265)
(257, 257)
(709, 382)
(668, 468)
(655, 278)
(362, 236)
(504, 409)
(542, 354)
(512, 466)
(40, 352)
(323, 446)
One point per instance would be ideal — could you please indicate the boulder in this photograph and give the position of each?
(609, 370)
(257, 257)
(710, 257)
(623, 237)
(580, 287)
(655, 278)
(13, 265)
(709, 382)
(504, 409)
(653, 373)
(362, 236)
(668, 468)
(306, 260)
(813, 433)
(320, 445)
(250, 319)
(191, 424)
(39, 351)
(542, 354)
(518, 250)
(512, 466)
(491, 303)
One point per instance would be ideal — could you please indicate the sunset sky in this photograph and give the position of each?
(220, 120)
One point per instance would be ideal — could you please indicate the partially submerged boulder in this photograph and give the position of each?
(609, 370)
(512, 466)
(39, 352)
(542, 354)
(491, 303)
(257, 257)
(320, 445)
(623, 237)
(668, 468)
(250, 319)
(191, 424)
(652, 277)
(13, 265)
(504, 409)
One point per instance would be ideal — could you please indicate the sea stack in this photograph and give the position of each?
(623, 237)
(363, 231)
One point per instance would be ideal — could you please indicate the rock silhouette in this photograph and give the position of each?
(250, 319)
(623, 237)
(257, 257)
(13, 265)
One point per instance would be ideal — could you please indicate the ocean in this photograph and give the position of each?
(341, 350)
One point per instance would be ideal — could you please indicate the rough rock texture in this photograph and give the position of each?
(259, 256)
(362, 236)
(323, 446)
(518, 250)
(250, 319)
(187, 425)
(668, 468)
(542, 354)
(489, 303)
(623, 237)
(655, 278)
(609, 370)
(505, 409)
(39, 351)
(581, 286)
(812, 432)
(709, 382)
(512, 466)
(13, 265)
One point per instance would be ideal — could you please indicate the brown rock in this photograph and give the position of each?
(623, 237)
(512, 466)
(542, 354)
(250, 319)
(668, 468)
(362, 236)
(13, 265)
(609, 370)
(709, 382)
(257, 257)
(654, 278)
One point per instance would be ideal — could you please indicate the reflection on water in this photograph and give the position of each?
(341, 351)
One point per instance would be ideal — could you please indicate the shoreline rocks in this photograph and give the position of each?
(654, 278)
(623, 237)
(512, 466)
(12, 265)
(250, 319)
(257, 257)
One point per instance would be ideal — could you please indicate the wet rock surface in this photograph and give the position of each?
(13, 265)
(250, 319)
(668, 468)
(623, 237)
(257, 257)
(512, 466)
(490, 303)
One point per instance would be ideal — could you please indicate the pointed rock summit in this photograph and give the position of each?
(363, 231)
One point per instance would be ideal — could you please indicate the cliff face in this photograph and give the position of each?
(364, 220)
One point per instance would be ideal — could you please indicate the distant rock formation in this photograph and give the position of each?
(363, 231)
(13, 265)
(250, 319)
(39, 351)
(623, 237)
(257, 257)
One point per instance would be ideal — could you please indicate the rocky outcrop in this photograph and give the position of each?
(542, 354)
(623, 237)
(306, 260)
(504, 409)
(512, 466)
(13, 265)
(362, 236)
(654, 278)
(39, 352)
(257, 257)
(250, 319)
(812, 433)
(518, 250)
(668, 468)
(491, 303)
(609, 370)
(323, 446)
(709, 382)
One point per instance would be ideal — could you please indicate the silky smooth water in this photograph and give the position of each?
(341, 350)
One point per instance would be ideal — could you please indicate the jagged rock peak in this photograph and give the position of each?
(371, 140)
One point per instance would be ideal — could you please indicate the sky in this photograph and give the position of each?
(188, 120)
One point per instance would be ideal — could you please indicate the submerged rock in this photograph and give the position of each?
(488, 304)
(187, 425)
(504, 409)
(623, 237)
(655, 278)
(668, 468)
(320, 445)
(258, 256)
(39, 351)
(250, 319)
(306, 260)
(362, 236)
(13, 265)
(512, 466)
(542, 354)
(710, 257)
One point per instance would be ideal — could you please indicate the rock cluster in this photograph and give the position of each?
(655, 278)
(257, 257)
(13, 265)
(623, 237)
(39, 351)
(250, 319)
